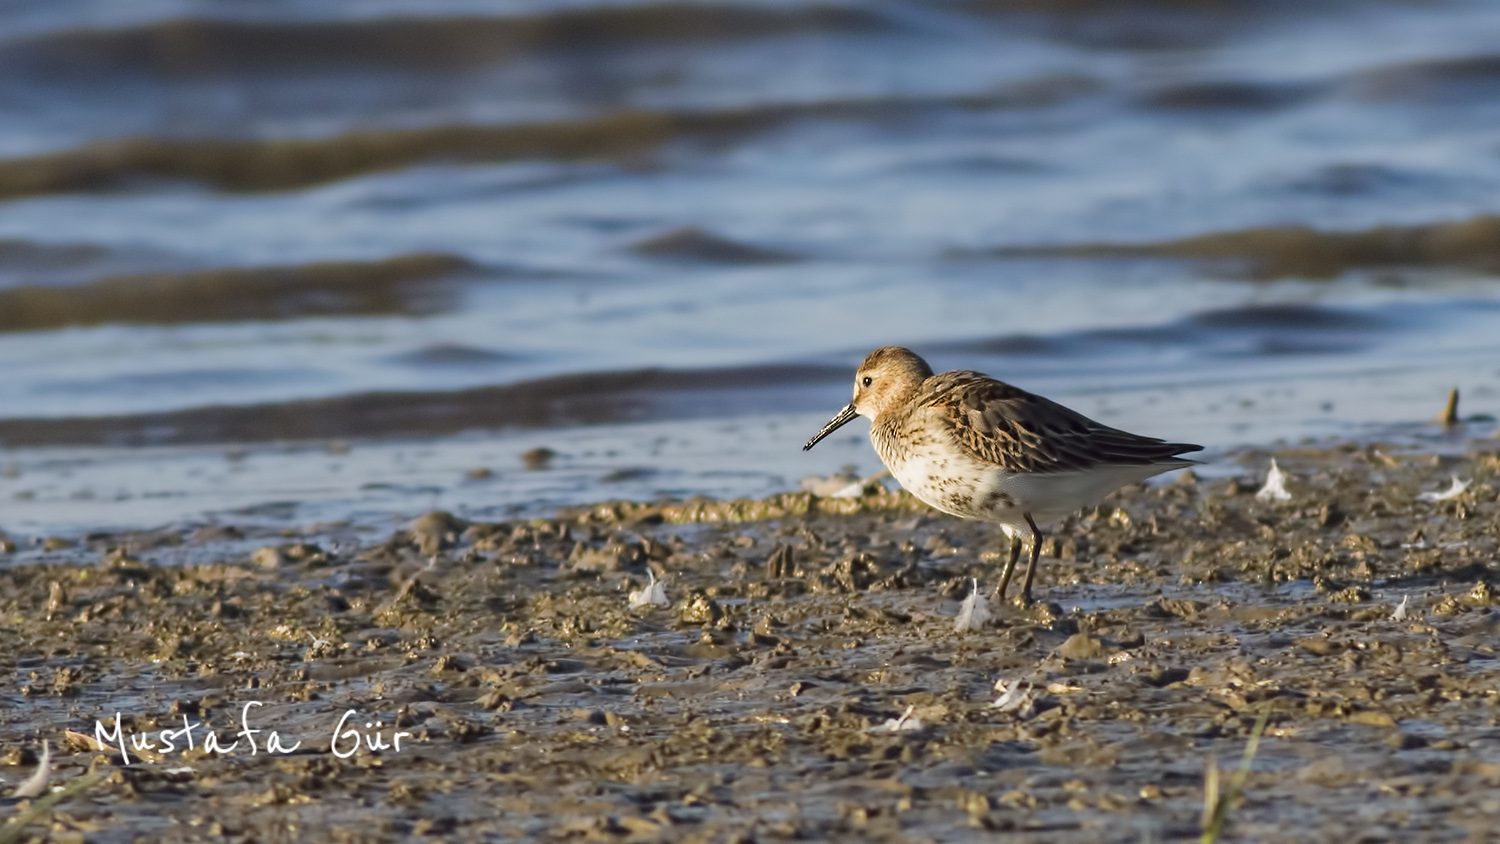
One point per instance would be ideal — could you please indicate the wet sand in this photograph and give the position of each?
(766, 701)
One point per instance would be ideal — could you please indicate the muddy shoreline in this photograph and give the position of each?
(805, 680)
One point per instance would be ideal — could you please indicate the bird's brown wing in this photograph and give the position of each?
(1024, 432)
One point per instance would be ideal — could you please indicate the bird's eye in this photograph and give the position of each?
(866, 381)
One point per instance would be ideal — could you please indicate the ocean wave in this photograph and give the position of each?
(196, 48)
(1273, 252)
(406, 284)
(627, 136)
(573, 399)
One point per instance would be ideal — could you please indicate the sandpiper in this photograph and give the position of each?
(978, 448)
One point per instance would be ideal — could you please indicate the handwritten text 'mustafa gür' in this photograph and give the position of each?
(346, 741)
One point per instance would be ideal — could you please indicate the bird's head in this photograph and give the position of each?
(888, 375)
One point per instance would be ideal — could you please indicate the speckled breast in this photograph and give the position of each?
(940, 474)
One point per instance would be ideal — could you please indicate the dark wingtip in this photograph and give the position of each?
(1179, 449)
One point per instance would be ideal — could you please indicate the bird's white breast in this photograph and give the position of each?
(946, 478)
(955, 482)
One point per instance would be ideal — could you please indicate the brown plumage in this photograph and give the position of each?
(982, 449)
(1025, 433)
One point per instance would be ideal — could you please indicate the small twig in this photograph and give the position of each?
(1210, 790)
(1449, 417)
(1215, 805)
(16, 826)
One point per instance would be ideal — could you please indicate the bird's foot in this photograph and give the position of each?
(1022, 601)
(1040, 612)
(1044, 612)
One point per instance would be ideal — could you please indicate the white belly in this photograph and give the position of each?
(954, 483)
(960, 485)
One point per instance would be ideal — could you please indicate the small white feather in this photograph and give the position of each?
(974, 612)
(36, 784)
(1400, 612)
(1448, 494)
(654, 595)
(1275, 488)
(1014, 697)
(904, 724)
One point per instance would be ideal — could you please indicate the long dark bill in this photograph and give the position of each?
(845, 417)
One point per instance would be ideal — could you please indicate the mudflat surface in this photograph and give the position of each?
(806, 680)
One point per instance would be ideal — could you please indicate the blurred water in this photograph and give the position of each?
(301, 221)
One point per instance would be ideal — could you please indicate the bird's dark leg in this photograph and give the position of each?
(1010, 565)
(1036, 551)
